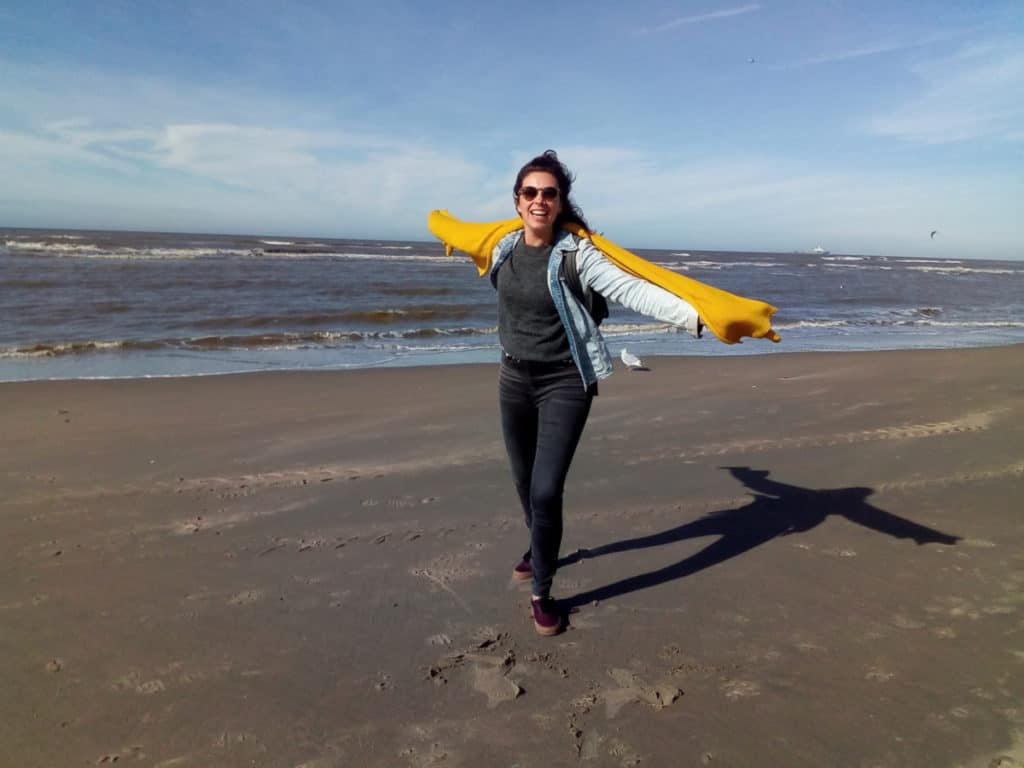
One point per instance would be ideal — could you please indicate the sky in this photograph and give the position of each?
(857, 126)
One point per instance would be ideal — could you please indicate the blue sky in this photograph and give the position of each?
(859, 126)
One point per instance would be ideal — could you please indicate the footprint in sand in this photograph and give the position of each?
(127, 754)
(735, 690)
(631, 688)
(426, 757)
(490, 677)
(878, 675)
(247, 597)
(904, 622)
(624, 753)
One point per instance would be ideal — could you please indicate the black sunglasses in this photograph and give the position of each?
(547, 193)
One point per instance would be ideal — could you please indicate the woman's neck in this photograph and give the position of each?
(535, 239)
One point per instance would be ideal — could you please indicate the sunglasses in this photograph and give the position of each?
(547, 193)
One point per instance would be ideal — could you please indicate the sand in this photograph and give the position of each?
(781, 560)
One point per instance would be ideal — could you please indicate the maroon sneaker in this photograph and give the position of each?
(547, 619)
(523, 571)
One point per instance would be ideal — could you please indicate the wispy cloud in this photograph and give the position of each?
(972, 94)
(748, 200)
(859, 52)
(702, 17)
(355, 181)
(876, 48)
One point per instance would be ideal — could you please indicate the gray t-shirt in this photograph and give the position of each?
(528, 323)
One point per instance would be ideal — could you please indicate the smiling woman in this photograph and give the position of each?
(553, 354)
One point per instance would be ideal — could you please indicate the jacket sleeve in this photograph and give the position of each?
(634, 293)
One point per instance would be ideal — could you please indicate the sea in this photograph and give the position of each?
(101, 304)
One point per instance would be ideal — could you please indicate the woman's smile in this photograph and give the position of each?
(538, 203)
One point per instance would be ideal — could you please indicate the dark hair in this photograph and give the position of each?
(549, 163)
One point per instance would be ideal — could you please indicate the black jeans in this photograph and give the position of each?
(544, 408)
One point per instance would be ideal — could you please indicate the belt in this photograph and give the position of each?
(535, 365)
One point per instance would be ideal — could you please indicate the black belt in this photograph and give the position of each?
(536, 366)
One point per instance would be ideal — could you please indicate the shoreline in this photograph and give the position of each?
(424, 360)
(803, 559)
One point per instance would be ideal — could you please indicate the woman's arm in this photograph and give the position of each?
(634, 293)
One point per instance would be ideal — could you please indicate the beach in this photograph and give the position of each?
(811, 559)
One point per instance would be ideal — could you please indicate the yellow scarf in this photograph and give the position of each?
(728, 316)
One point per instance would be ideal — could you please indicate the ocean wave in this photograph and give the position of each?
(312, 252)
(705, 264)
(900, 319)
(254, 342)
(386, 316)
(435, 259)
(967, 270)
(686, 266)
(861, 266)
(789, 326)
(93, 251)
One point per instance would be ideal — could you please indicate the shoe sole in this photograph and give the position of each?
(521, 575)
(547, 631)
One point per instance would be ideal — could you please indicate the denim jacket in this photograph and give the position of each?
(586, 343)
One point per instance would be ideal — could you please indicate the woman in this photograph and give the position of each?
(553, 356)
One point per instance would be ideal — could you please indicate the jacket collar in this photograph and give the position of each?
(564, 242)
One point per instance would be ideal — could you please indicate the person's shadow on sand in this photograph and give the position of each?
(778, 509)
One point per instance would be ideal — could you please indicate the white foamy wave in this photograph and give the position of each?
(718, 265)
(39, 245)
(278, 242)
(620, 329)
(866, 267)
(459, 260)
(965, 323)
(810, 324)
(64, 348)
(966, 270)
(927, 261)
(843, 258)
(93, 251)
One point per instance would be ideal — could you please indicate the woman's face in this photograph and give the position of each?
(538, 204)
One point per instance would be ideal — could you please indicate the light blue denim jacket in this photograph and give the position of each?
(586, 343)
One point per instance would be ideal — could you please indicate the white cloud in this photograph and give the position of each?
(356, 182)
(973, 94)
(749, 201)
(700, 18)
(160, 155)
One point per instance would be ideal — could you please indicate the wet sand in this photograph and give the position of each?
(782, 560)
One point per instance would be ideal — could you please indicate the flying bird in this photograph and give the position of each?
(632, 362)
(932, 235)
(751, 60)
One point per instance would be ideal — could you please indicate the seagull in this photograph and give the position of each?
(934, 232)
(632, 361)
(751, 60)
